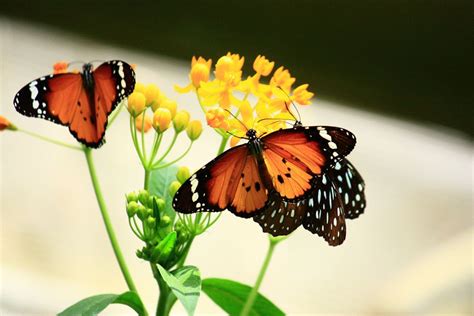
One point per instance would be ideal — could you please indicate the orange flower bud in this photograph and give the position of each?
(139, 87)
(146, 125)
(170, 105)
(152, 94)
(136, 103)
(200, 69)
(6, 124)
(161, 119)
(60, 67)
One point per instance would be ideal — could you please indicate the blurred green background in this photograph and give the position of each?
(411, 59)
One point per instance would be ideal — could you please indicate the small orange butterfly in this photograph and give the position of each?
(82, 101)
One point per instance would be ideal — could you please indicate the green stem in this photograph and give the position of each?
(143, 137)
(253, 293)
(185, 253)
(161, 308)
(115, 114)
(147, 179)
(157, 166)
(50, 140)
(223, 144)
(133, 132)
(107, 222)
(173, 141)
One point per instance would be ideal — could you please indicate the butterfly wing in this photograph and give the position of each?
(325, 212)
(281, 217)
(350, 186)
(36, 98)
(231, 181)
(295, 156)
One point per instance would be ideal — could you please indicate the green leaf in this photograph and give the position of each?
(95, 304)
(160, 181)
(163, 250)
(185, 283)
(231, 297)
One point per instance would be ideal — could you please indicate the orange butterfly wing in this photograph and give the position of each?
(231, 181)
(295, 156)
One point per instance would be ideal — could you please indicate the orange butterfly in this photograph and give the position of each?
(267, 171)
(81, 101)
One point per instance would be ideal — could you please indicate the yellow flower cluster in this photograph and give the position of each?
(165, 112)
(252, 99)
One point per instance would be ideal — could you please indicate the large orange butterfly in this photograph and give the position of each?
(277, 168)
(82, 101)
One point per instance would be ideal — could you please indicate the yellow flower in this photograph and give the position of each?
(301, 95)
(139, 87)
(161, 119)
(152, 94)
(200, 70)
(146, 125)
(171, 105)
(228, 69)
(194, 130)
(181, 121)
(282, 78)
(263, 66)
(6, 124)
(136, 103)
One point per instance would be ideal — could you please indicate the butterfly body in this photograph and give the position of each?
(82, 101)
(278, 167)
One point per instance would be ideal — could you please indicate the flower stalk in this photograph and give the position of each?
(108, 224)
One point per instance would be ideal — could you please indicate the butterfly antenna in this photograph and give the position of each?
(236, 118)
(298, 120)
(236, 135)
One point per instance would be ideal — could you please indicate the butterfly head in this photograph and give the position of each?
(251, 134)
(87, 68)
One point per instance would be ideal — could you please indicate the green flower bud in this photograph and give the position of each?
(178, 226)
(194, 130)
(161, 205)
(142, 212)
(143, 196)
(174, 186)
(181, 120)
(165, 221)
(149, 212)
(151, 221)
(132, 208)
(183, 235)
(182, 174)
(132, 196)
